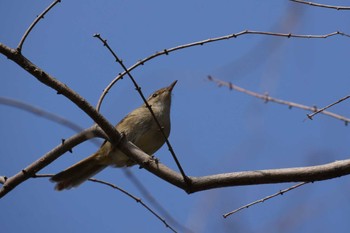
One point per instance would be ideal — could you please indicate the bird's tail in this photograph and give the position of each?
(78, 173)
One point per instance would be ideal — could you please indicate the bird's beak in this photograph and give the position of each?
(170, 88)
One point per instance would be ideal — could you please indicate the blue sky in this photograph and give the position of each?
(214, 130)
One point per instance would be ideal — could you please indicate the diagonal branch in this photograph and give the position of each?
(268, 98)
(154, 202)
(281, 192)
(26, 173)
(61, 89)
(137, 199)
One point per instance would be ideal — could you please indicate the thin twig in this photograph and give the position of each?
(268, 98)
(322, 5)
(328, 106)
(47, 115)
(37, 19)
(281, 192)
(138, 88)
(138, 200)
(148, 196)
(211, 40)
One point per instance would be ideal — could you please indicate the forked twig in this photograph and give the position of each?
(138, 200)
(281, 192)
(138, 88)
(37, 19)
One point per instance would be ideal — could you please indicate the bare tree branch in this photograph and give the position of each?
(306, 174)
(63, 89)
(37, 19)
(322, 5)
(268, 98)
(28, 172)
(149, 197)
(322, 172)
(211, 40)
(137, 199)
(281, 192)
(301, 174)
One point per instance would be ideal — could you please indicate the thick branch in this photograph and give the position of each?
(63, 89)
(283, 175)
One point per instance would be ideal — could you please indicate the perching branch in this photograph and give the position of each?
(322, 5)
(268, 98)
(58, 119)
(301, 174)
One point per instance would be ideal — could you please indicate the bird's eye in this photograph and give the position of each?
(154, 95)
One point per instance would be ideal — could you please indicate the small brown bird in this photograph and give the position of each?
(139, 127)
